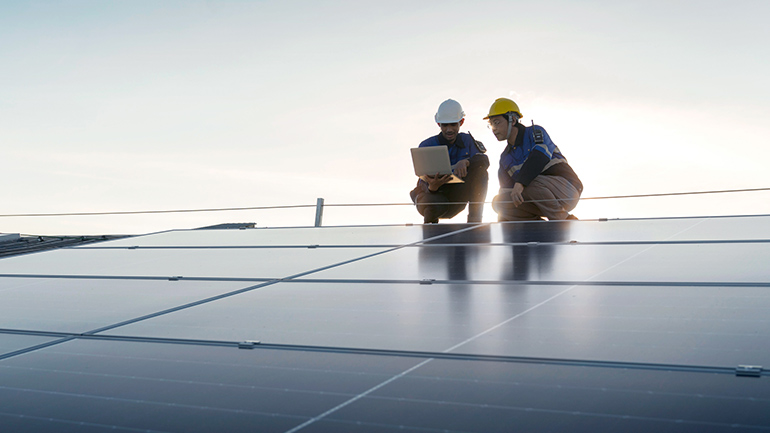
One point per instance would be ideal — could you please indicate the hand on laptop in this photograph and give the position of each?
(461, 168)
(437, 181)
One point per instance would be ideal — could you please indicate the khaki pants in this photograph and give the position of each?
(547, 196)
(431, 205)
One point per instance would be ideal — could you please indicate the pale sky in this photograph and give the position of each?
(153, 105)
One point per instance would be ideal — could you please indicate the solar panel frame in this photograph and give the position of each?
(459, 328)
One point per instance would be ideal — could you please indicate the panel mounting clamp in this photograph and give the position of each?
(749, 370)
(248, 344)
(427, 281)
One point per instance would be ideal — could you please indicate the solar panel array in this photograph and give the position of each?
(621, 325)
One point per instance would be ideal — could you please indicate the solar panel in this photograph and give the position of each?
(622, 325)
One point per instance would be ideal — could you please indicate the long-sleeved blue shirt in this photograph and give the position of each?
(529, 158)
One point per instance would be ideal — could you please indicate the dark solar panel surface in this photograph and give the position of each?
(632, 325)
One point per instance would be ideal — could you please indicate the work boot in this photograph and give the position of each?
(572, 217)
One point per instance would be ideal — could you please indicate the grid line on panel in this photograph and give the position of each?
(357, 397)
(295, 279)
(80, 424)
(397, 427)
(136, 277)
(443, 355)
(528, 409)
(158, 403)
(243, 247)
(171, 380)
(426, 243)
(684, 217)
(537, 282)
(36, 347)
(34, 333)
(606, 243)
(181, 307)
(531, 410)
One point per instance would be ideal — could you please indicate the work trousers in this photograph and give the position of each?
(552, 197)
(431, 205)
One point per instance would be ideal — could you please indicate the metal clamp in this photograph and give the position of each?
(749, 370)
(248, 344)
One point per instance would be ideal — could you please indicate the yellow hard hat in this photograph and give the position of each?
(503, 106)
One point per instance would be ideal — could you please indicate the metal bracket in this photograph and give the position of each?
(176, 278)
(427, 281)
(248, 344)
(749, 370)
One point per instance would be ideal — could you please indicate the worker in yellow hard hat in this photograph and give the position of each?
(536, 181)
(435, 196)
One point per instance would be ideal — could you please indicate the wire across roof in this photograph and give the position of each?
(620, 325)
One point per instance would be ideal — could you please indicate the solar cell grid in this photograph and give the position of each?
(82, 305)
(633, 325)
(10, 343)
(185, 262)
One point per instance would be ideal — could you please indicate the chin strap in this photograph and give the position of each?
(510, 124)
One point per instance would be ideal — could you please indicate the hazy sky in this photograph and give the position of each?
(150, 105)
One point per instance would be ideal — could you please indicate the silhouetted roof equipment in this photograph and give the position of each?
(580, 326)
(15, 244)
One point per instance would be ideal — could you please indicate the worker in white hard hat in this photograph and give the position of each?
(434, 196)
(536, 181)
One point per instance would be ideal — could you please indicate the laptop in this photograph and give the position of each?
(431, 160)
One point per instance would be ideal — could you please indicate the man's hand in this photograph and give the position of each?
(437, 181)
(461, 168)
(516, 196)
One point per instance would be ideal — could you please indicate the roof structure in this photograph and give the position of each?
(622, 325)
(12, 244)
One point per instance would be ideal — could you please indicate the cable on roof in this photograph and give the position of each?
(298, 206)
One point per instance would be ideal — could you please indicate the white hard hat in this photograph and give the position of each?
(449, 111)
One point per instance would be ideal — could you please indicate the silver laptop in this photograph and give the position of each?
(432, 160)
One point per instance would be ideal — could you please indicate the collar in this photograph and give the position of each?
(519, 135)
(458, 141)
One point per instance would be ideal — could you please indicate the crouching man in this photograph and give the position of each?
(434, 197)
(536, 181)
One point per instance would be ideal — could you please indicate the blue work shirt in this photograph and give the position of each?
(464, 146)
(544, 158)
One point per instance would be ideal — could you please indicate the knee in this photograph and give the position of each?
(430, 197)
(497, 206)
(477, 170)
(479, 162)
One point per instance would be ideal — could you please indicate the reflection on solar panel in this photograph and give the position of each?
(624, 325)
